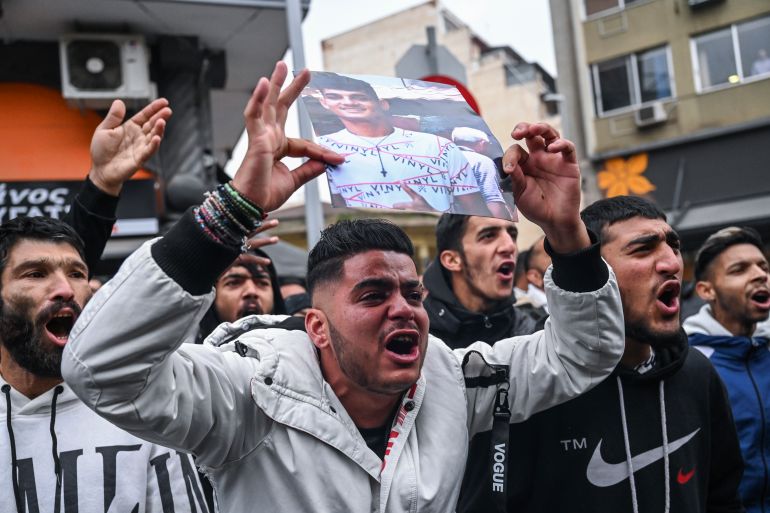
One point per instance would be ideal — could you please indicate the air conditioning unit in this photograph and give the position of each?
(695, 4)
(97, 68)
(650, 115)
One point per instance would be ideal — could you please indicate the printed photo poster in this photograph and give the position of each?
(408, 145)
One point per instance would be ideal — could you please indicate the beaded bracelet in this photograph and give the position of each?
(204, 226)
(251, 208)
(227, 217)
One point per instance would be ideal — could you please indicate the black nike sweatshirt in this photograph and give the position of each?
(574, 457)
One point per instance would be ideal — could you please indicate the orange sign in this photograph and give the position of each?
(41, 137)
(621, 177)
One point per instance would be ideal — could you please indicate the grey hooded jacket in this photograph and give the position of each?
(269, 430)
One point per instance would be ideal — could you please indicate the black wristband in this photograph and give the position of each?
(580, 271)
(191, 258)
(96, 201)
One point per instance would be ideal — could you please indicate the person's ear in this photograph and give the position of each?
(705, 291)
(385, 105)
(315, 325)
(535, 277)
(322, 101)
(451, 260)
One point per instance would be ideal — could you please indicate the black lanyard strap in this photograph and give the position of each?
(501, 422)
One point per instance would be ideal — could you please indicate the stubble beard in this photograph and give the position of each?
(640, 331)
(351, 367)
(743, 314)
(470, 275)
(25, 339)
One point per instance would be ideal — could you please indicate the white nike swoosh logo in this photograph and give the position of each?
(603, 474)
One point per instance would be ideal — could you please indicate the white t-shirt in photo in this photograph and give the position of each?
(375, 167)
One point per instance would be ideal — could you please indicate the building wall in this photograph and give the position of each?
(702, 165)
(378, 46)
(659, 22)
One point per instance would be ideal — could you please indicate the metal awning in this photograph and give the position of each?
(739, 211)
(695, 223)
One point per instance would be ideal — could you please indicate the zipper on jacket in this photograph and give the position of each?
(764, 426)
(487, 322)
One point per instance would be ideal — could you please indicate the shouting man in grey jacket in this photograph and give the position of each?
(359, 409)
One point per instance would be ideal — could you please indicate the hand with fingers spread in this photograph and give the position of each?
(262, 177)
(418, 203)
(119, 149)
(546, 184)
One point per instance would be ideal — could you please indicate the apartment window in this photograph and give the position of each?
(754, 45)
(632, 80)
(596, 6)
(732, 55)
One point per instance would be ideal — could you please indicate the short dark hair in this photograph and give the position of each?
(348, 238)
(522, 264)
(450, 230)
(534, 251)
(41, 228)
(605, 212)
(326, 80)
(719, 241)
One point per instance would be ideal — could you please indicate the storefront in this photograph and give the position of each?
(44, 150)
(705, 183)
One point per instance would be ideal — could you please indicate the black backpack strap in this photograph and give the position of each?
(501, 423)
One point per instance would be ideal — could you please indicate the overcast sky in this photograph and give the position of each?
(524, 25)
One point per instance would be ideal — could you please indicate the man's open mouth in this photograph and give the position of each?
(505, 271)
(761, 299)
(668, 297)
(60, 326)
(404, 346)
(250, 309)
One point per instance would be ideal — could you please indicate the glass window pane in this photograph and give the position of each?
(716, 58)
(614, 84)
(594, 6)
(654, 82)
(754, 44)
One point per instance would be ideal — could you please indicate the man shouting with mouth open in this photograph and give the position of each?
(56, 452)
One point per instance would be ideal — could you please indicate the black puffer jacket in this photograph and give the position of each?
(459, 327)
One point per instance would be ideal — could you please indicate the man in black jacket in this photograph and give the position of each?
(471, 282)
(471, 298)
(118, 150)
(658, 434)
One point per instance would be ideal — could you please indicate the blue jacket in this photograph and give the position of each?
(743, 363)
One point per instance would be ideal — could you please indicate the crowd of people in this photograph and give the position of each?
(558, 379)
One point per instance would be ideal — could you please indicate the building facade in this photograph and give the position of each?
(63, 62)
(670, 101)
